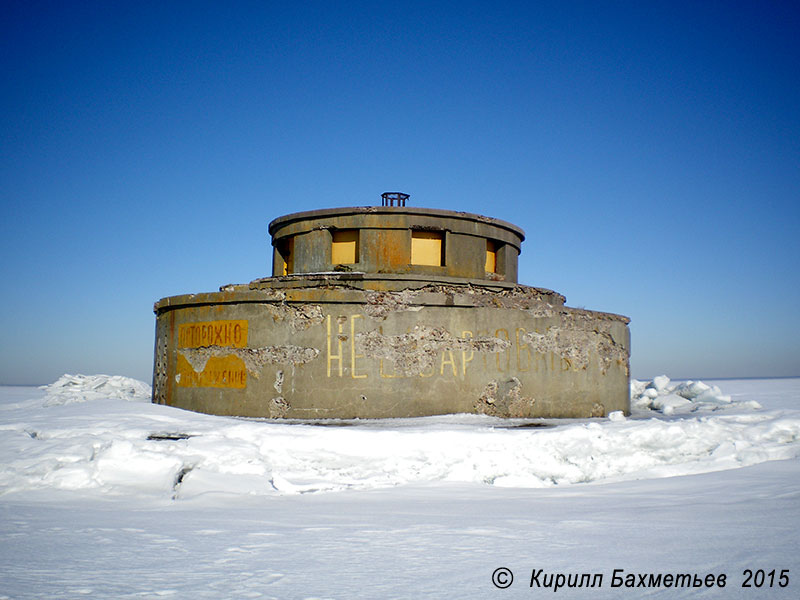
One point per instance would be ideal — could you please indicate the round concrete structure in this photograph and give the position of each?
(396, 240)
(389, 312)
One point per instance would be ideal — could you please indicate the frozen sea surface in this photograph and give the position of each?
(104, 495)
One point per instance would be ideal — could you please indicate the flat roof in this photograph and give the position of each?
(392, 210)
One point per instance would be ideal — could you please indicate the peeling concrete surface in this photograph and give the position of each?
(254, 359)
(161, 366)
(381, 304)
(539, 302)
(299, 316)
(415, 352)
(278, 407)
(488, 397)
(519, 297)
(576, 337)
(504, 400)
(267, 293)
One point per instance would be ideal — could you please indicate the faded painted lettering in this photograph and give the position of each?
(213, 333)
(353, 355)
(219, 371)
(344, 360)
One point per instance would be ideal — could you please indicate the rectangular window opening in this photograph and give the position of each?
(344, 246)
(427, 248)
(491, 256)
(286, 250)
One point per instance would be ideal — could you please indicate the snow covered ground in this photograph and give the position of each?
(104, 495)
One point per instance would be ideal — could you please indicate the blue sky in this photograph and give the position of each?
(651, 152)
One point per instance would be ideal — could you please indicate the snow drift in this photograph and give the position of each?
(82, 388)
(113, 446)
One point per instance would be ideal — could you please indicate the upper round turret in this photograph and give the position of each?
(396, 240)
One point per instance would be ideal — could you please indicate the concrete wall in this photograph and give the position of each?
(384, 250)
(346, 353)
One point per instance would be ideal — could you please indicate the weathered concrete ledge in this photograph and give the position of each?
(348, 287)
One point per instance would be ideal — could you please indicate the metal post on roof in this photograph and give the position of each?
(389, 198)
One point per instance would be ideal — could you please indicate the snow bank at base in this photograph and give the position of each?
(116, 447)
(663, 396)
(82, 388)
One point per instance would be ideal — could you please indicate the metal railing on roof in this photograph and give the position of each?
(389, 198)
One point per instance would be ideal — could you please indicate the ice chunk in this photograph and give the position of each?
(660, 383)
(691, 389)
(670, 403)
(713, 394)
